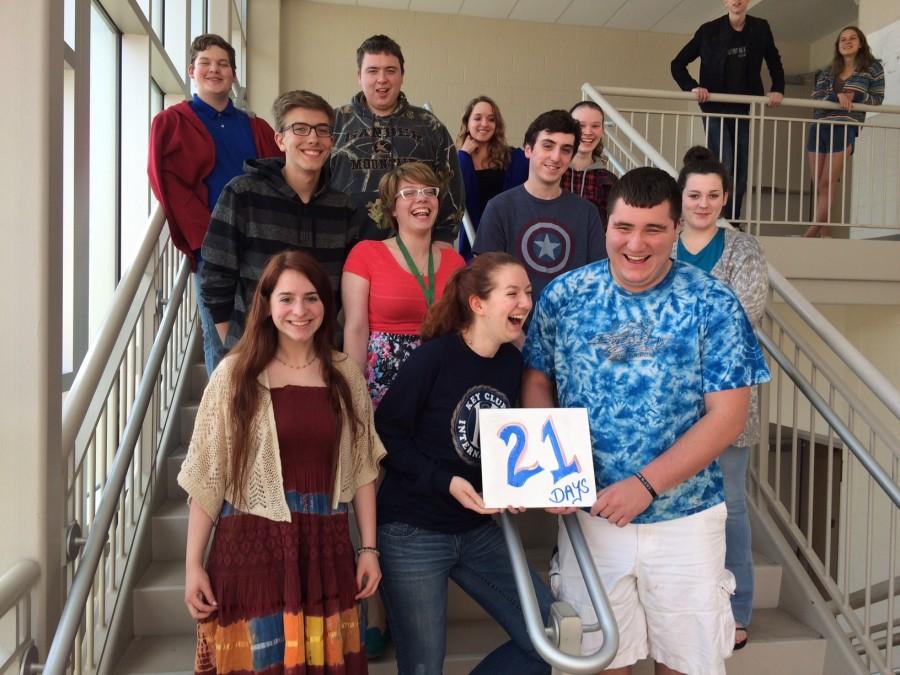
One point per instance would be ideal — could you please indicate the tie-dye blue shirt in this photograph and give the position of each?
(641, 363)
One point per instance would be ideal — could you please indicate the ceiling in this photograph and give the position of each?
(800, 20)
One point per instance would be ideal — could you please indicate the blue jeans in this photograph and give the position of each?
(417, 564)
(213, 350)
(724, 129)
(738, 553)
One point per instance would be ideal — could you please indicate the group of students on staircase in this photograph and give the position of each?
(336, 230)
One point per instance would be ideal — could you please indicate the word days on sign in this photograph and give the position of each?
(536, 457)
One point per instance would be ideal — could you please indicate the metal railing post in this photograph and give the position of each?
(561, 660)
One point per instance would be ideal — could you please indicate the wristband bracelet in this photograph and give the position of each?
(368, 549)
(646, 484)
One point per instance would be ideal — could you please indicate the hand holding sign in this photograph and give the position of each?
(536, 457)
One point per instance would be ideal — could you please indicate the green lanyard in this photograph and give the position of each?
(427, 291)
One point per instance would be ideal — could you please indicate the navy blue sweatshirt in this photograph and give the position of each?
(428, 423)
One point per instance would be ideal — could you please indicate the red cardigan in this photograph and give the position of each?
(182, 155)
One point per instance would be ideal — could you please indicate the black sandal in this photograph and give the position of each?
(740, 644)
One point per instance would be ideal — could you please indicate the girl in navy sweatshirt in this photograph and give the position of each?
(432, 522)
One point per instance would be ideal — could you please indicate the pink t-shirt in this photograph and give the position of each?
(396, 302)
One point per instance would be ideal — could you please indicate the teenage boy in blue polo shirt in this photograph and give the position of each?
(196, 147)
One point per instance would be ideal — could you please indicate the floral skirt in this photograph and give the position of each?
(387, 352)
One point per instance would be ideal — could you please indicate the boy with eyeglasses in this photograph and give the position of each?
(196, 147)
(277, 205)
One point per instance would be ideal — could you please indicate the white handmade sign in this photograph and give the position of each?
(536, 457)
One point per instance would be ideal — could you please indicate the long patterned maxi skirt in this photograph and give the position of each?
(285, 591)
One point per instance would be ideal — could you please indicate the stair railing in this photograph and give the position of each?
(116, 417)
(15, 612)
(828, 467)
(565, 628)
(778, 193)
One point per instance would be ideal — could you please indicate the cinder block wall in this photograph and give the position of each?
(527, 67)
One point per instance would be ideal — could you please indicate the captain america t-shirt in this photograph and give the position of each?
(548, 236)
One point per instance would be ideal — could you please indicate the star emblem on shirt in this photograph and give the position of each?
(546, 247)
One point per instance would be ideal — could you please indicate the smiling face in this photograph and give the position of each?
(381, 78)
(591, 121)
(416, 214)
(482, 122)
(295, 307)
(736, 6)
(304, 153)
(702, 200)
(550, 156)
(639, 244)
(502, 313)
(212, 73)
(848, 43)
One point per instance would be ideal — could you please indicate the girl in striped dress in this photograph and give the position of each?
(283, 440)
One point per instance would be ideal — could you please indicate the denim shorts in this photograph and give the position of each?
(828, 138)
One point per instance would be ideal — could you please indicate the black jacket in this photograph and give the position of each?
(710, 44)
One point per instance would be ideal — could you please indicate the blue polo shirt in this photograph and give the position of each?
(233, 138)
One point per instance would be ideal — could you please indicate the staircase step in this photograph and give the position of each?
(188, 415)
(159, 601)
(779, 645)
(173, 466)
(170, 530)
(198, 380)
(158, 655)
(467, 644)
(767, 582)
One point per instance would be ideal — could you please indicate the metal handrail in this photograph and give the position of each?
(740, 98)
(67, 629)
(887, 436)
(81, 394)
(537, 632)
(875, 470)
(831, 336)
(16, 581)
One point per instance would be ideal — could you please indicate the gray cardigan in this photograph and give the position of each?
(743, 268)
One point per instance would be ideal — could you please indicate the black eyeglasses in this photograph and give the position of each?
(303, 129)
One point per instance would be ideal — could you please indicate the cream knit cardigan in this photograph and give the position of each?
(207, 468)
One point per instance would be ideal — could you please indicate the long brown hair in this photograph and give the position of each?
(452, 312)
(256, 349)
(498, 148)
(864, 57)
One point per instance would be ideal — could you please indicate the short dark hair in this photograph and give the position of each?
(646, 187)
(553, 122)
(203, 42)
(299, 98)
(379, 44)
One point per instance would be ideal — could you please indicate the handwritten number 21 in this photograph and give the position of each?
(517, 475)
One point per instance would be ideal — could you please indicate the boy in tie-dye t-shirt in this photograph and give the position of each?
(662, 356)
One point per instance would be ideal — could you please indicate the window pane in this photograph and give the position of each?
(68, 329)
(104, 166)
(198, 18)
(69, 23)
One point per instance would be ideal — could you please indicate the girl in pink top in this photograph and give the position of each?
(387, 286)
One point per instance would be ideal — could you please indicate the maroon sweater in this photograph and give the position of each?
(182, 154)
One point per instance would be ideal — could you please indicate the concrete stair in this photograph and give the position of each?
(164, 639)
